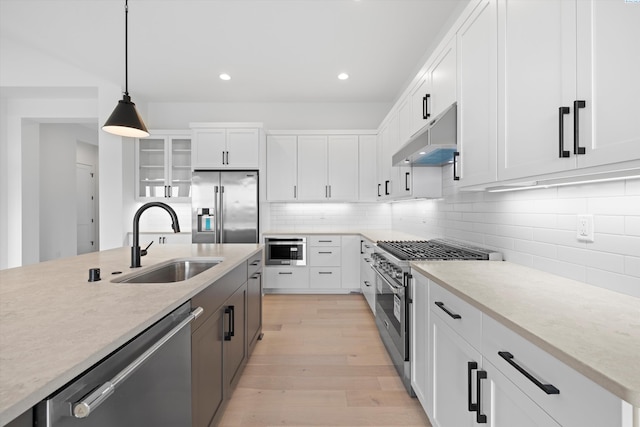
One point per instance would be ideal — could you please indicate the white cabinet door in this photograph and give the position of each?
(384, 163)
(420, 341)
(478, 95)
(399, 175)
(537, 76)
(451, 375)
(163, 165)
(405, 119)
(505, 405)
(286, 278)
(367, 168)
(420, 99)
(324, 278)
(209, 146)
(342, 168)
(243, 148)
(608, 82)
(282, 171)
(443, 80)
(350, 262)
(312, 168)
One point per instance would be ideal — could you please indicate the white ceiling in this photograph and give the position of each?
(275, 50)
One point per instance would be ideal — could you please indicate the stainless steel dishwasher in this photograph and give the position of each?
(146, 382)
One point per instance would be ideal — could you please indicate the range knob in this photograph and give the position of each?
(397, 273)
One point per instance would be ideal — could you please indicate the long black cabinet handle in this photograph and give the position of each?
(471, 366)
(406, 181)
(386, 188)
(561, 113)
(361, 249)
(325, 272)
(443, 308)
(285, 272)
(229, 333)
(576, 126)
(379, 185)
(456, 155)
(547, 388)
(425, 111)
(480, 417)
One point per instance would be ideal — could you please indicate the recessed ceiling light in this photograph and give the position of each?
(343, 76)
(225, 76)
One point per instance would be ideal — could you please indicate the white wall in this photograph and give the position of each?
(297, 116)
(36, 87)
(537, 228)
(4, 179)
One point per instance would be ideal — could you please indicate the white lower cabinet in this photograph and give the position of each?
(286, 278)
(332, 267)
(479, 372)
(367, 276)
(420, 340)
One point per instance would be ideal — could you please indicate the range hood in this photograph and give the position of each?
(433, 145)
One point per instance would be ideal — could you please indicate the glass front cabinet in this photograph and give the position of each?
(163, 165)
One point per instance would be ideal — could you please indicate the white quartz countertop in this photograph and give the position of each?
(593, 330)
(54, 324)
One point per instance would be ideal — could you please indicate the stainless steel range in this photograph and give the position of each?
(393, 289)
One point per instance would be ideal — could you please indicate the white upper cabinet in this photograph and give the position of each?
(282, 167)
(367, 168)
(608, 68)
(312, 168)
(163, 165)
(568, 87)
(434, 91)
(537, 75)
(342, 167)
(478, 95)
(217, 147)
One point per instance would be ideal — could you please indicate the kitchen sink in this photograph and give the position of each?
(172, 271)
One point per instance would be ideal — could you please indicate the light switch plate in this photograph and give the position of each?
(585, 228)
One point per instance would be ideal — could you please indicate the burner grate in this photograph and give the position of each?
(429, 250)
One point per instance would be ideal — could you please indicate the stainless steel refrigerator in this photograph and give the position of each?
(224, 206)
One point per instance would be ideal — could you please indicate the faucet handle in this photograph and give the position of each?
(143, 252)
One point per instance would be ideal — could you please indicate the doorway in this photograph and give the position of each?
(85, 209)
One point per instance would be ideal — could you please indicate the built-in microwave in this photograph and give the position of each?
(286, 251)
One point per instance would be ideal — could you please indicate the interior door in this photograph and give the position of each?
(86, 209)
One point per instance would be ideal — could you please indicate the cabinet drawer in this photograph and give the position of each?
(580, 401)
(254, 264)
(324, 241)
(324, 278)
(325, 257)
(286, 278)
(461, 316)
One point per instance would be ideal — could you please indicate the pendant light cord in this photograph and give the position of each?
(126, 47)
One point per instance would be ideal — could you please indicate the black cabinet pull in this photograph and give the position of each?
(480, 417)
(325, 252)
(379, 185)
(576, 127)
(547, 388)
(361, 249)
(230, 330)
(456, 154)
(285, 272)
(561, 113)
(256, 262)
(325, 241)
(366, 283)
(324, 272)
(406, 181)
(386, 188)
(223, 157)
(453, 315)
(425, 112)
(227, 157)
(471, 366)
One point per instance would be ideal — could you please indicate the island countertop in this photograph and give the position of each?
(593, 330)
(54, 324)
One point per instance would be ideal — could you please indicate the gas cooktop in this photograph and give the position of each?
(436, 249)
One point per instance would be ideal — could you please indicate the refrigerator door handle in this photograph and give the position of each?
(215, 212)
(221, 215)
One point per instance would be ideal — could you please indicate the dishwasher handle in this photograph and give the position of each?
(83, 408)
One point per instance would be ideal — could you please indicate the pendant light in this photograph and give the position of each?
(125, 120)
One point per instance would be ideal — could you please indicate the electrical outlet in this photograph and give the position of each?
(585, 228)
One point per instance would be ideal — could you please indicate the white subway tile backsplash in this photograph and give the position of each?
(534, 228)
(632, 225)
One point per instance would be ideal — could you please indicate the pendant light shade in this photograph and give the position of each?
(125, 120)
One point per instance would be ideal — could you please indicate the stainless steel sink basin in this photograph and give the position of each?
(172, 271)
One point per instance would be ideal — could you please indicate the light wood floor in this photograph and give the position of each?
(320, 363)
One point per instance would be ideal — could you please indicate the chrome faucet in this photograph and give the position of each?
(136, 252)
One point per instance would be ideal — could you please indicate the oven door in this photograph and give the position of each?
(391, 312)
(286, 251)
